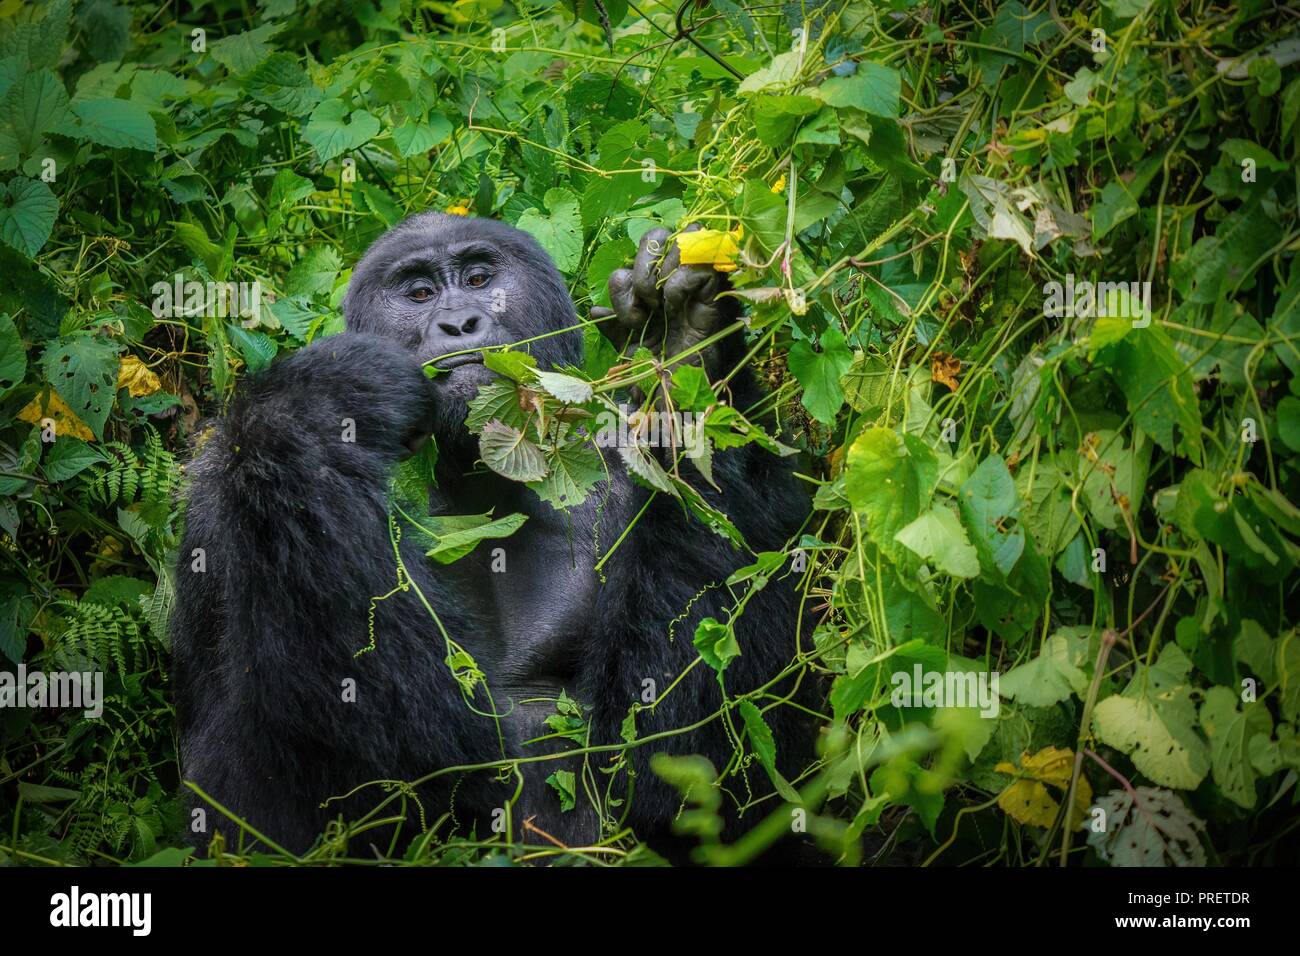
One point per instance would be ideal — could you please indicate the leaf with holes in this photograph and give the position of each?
(83, 368)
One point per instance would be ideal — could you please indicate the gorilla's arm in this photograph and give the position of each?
(657, 578)
(287, 542)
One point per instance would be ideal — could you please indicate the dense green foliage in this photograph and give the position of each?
(1091, 495)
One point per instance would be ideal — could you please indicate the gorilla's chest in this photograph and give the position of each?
(536, 591)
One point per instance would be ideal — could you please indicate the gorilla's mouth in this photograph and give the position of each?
(456, 361)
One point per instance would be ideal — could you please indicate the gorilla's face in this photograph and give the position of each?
(448, 287)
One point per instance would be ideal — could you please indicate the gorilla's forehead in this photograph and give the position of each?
(435, 237)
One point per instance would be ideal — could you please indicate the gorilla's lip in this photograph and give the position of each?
(456, 361)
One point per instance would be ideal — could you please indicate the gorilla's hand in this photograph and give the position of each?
(348, 390)
(664, 305)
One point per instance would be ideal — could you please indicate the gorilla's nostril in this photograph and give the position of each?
(470, 325)
(449, 328)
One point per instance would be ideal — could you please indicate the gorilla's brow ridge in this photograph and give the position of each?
(432, 259)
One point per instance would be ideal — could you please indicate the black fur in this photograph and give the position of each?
(293, 523)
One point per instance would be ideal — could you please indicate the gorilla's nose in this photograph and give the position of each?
(462, 322)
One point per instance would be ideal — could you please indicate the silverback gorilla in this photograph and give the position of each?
(292, 523)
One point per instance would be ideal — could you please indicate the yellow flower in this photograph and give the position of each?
(458, 210)
(779, 184)
(711, 247)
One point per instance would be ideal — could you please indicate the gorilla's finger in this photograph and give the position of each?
(622, 296)
(645, 271)
(688, 285)
(600, 312)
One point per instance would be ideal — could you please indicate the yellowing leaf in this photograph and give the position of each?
(66, 421)
(136, 377)
(458, 210)
(779, 184)
(711, 247)
(944, 369)
(1029, 801)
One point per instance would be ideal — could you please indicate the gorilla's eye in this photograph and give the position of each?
(477, 280)
(420, 294)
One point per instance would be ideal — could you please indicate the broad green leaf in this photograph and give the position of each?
(559, 230)
(1158, 386)
(989, 507)
(457, 535)
(69, 457)
(244, 51)
(566, 388)
(938, 537)
(1053, 675)
(572, 470)
(1230, 731)
(36, 104)
(416, 137)
(83, 369)
(282, 83)
(117, 123)
(314, 273)
(1154, 722)
(334, 129)
(819, 373)
(507, 452)
(889, 478)
(27, 212)
(873, 89)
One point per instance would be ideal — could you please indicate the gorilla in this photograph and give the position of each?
(289, 567)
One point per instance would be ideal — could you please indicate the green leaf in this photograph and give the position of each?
(1230, 731)
(989, 503)
(68, 457)
(559, 230)
(564, 783)
(716, 643)
(938, 537)
(1158, 386)
(83, 370)
(691, 391)
(414, 138)
(315, 272)
(624, 151)
(516, 366)
(27, 212)
(820, 372)
(777, 117)
(1154, 721)
(13, 357)
(507, 452)
(1053, 675)
(1288, 421)
(567, 388)
(244, 51)
(874, 89)
(282, 83)
(120, 124)
(458, 535)
(332, 132)
(889, 478)
(572, 470)
(35, 105)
